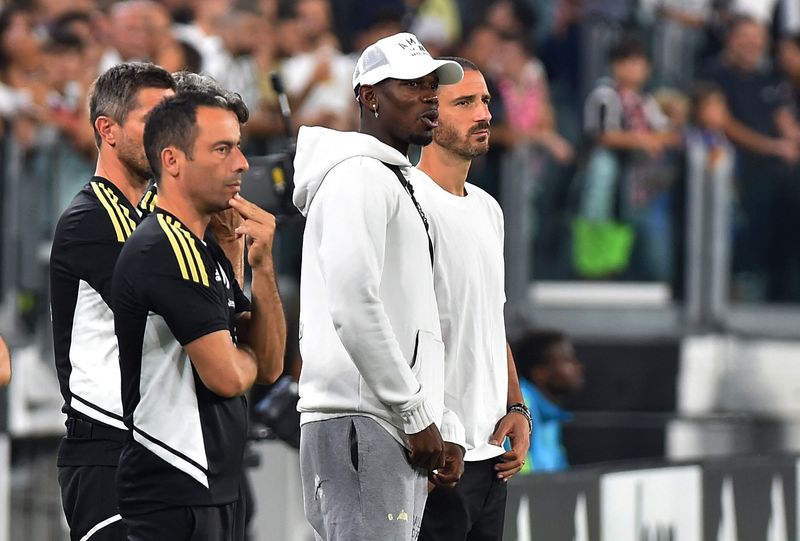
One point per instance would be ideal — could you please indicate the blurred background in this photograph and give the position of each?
(646, 154)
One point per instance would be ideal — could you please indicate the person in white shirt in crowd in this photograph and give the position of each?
(317, 79)
(203, 33)
(242, 32)
(481, 385)
(129, 33)
(373, 422)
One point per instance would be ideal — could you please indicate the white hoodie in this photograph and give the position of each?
(369, 326)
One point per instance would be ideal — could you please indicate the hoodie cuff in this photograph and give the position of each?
(417, 418)
(452, 430)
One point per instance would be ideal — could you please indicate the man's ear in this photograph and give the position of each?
(104, 126)
(171, 161)
(368, 97)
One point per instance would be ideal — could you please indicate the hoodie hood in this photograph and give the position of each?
(321, 149)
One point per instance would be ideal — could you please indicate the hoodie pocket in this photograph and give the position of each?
(427, 365)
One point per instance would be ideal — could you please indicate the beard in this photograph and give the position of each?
(133, 158)
(448, 138)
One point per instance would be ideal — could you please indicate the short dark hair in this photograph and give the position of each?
(63, 42)
(113, 94)
(466, 65)
(626, 48)
(532, 349)
(189, 81)
(173, 122)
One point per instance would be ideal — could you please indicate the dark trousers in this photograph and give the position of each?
(471, 511)
(89, 498)
(219, 523)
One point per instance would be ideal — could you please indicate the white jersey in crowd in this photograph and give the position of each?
(369, 326)
(467, 235)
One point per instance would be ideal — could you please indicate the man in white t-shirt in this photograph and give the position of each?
(481, 385)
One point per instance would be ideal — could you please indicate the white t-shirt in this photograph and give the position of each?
(467, 234)
(332, 96)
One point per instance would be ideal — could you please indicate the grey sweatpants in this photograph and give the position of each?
(358, 484)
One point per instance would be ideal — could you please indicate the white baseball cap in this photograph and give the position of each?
(403, 57)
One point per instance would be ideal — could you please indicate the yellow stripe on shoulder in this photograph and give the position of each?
(122, 211)
(191, 262)
(101, 196)
(148, 202)
(201, 266)
(174, 243)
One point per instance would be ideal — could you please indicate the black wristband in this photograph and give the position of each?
(523, 410)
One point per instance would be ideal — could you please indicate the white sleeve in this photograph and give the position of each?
(353, 215)
(452, 429)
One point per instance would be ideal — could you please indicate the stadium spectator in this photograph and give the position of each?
(22, 91)
(371, 386)
(626, 126)
(766, 135)
(515, 17)
(549, 373)
(525, 91)
(241, 32)
(708, 184)
(85, 25)
(129, 26)
(318, 78)
(202, 32)
(67, 112)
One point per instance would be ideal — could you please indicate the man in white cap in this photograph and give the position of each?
(374, 427)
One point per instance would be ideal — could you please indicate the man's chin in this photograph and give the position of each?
(421, 139)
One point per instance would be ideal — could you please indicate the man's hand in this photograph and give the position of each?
(259, 227)
(515, 427)
(427, 449)
(223, 224)
(453, 468)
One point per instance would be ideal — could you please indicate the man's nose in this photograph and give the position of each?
(241, 163)
(484, 115)
(431, 97)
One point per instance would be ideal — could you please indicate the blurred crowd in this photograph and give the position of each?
(618, 103)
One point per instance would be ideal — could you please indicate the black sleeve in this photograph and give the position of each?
(190, 308)
(86, 247)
